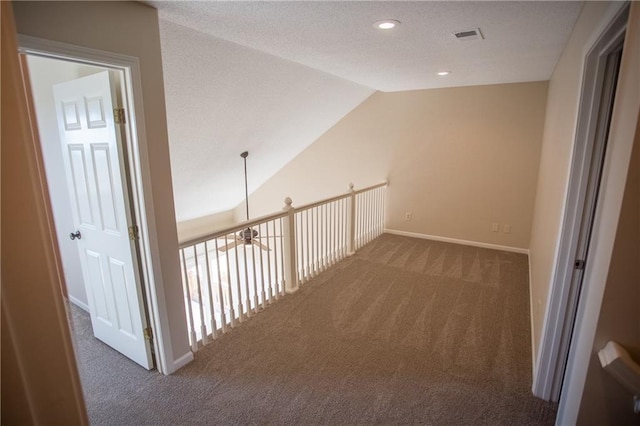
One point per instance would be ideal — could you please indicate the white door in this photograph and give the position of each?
(93, 156)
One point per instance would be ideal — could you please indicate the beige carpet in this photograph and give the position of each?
(406, 331)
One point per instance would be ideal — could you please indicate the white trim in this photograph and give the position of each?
(182, 361)
(532, 325)
(562, 300)
(79, 303)
(139, 175)
(457, 241)
(623, 132)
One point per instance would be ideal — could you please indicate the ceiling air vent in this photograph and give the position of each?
(468, 35)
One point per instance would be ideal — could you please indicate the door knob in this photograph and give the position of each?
(75, 235)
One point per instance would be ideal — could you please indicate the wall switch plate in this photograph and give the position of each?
(495, 227)
(507, 229)
(408, 216)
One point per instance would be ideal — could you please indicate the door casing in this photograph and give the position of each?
(138, 176)
(550, 366)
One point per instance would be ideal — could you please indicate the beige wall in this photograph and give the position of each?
(131, 29)
(555, 159)
(40, 384)
(459, 159)
(202, 226)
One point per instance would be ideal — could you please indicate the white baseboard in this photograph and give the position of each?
(182, 361)
(80, 304)
(457, 241)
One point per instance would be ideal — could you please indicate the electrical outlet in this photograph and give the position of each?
(495, 227)
(408, 216)
(507, 229)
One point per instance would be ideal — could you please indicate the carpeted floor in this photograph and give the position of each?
(406, 331)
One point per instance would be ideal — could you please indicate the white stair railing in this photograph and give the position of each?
(228, 278)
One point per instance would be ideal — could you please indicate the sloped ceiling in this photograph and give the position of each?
(223, 99)
(271, 77)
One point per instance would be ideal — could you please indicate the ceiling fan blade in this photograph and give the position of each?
(259, 244)
(229, 237)
(228, 246)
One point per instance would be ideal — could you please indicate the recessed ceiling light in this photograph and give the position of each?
(443, 73)
(387, 24)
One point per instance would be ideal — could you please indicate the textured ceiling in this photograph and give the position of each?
(523, 40)
(271, 77)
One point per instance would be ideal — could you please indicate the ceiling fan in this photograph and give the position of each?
(248, 236)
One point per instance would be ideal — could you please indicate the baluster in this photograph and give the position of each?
(358, 220)
(325, 232)
(289, 249)
(262, 282)
(308, 234)
(299, 247)
(365, 212)
(376, 205)
(192, 329)
(374, 219)
(341, 228)
(338, 206)
(282, 282)
(325, 236)
(336, 234)
(247, 294)
(351, 221)
(255, 279)
(241, 313)
(328, 237)
(333, 233)
(232, 310)
(329, 234)
(363, 219)
(338, 230)
(270, 282)
(369, 215)
(316, 240)
(203, 326)
(375, 214)
(321, 238)
(275, 261)
(345, 226)
(223, 319)
(362, 206)
(212, 322)
(380, 211)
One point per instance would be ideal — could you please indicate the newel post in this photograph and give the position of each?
(289, 255)
(351, 222)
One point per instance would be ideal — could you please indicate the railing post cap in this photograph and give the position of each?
(287, 203)
(351, 186)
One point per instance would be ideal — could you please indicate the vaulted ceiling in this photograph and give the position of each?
(271, 77)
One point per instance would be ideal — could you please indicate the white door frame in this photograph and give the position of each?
(138, 175)
(558, 342)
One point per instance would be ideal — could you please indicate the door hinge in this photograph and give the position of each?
(134, 233)
(119, 116)
(579, 264)
(148, 333)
